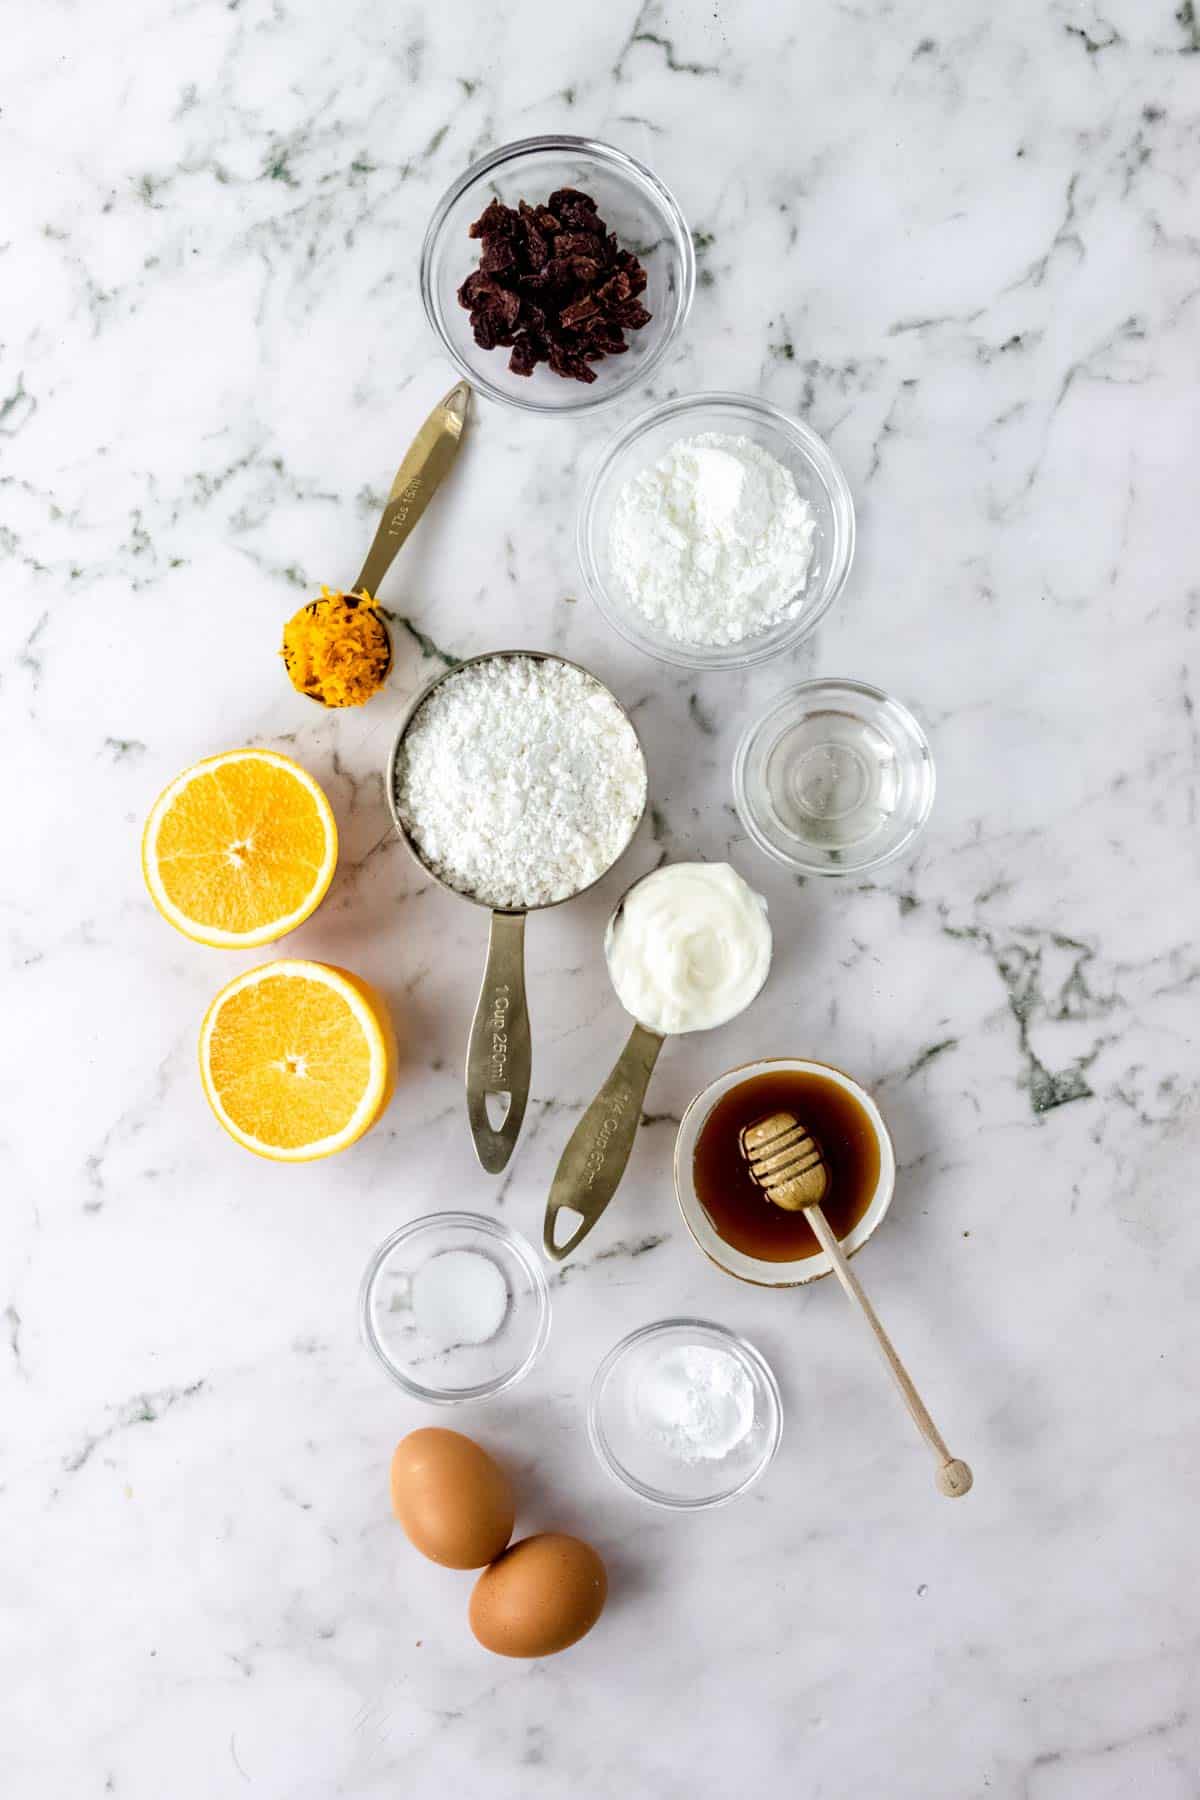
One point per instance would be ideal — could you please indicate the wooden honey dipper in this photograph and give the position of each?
(788, 1164)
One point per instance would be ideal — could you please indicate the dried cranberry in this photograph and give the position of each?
(578, 243)
(527, 354)
(487, 329)
(499, 254)
(494, 221)
(570, 363)
(573, 316)
(610, 292)
(537, 247)
(563, 199)
(553, 285)
(631, 314)
(476, 289)
(509, 307)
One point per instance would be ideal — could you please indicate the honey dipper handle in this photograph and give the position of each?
(954, 1477)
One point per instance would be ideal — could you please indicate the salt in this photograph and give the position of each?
(459, 1297)
(698, 1402)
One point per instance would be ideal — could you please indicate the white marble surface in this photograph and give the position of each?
(959, 239)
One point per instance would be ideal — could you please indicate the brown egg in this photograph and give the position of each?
(454, 1502)
(541, 1596)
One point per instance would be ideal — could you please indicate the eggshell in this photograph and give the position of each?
(454, 1503)
(539, 1597)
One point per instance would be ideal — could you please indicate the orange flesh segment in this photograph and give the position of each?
(243, 844)
(289, 1061)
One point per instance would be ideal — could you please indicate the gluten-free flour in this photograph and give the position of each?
(520, 781)
(714, 542)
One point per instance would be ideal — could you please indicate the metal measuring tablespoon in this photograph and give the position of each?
(426, 461)
(500, 1047)
(598, 1150)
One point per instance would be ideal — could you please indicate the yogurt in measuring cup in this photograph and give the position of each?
(689, 947)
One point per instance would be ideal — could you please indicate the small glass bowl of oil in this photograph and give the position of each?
(834, 779)
(729, 1215)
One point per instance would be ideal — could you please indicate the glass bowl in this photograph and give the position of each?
(757, 1270)
(635, 205)
(633, 1457)
(416, 1328)
(835, 778)
(818, 478)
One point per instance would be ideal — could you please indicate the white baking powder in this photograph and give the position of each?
(697, 1401)
(713, 543)
(520, 781)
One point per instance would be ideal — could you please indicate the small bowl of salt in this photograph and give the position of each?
(685, 1414)
(455, 1306)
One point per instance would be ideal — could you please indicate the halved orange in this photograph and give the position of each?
(239, 849)
(298, 1059)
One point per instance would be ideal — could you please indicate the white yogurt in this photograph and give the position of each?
(689, 947)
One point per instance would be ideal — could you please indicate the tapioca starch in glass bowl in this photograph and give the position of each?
(520, 781)
(713, 543)
(696, 1401)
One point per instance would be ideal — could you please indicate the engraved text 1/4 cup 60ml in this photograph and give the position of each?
(516, 780)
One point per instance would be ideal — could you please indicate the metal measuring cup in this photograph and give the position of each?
(500, 1046)
(590, 1169)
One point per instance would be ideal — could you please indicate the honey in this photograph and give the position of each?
(737, 1207)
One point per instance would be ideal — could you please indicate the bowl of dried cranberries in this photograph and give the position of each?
(557, 273)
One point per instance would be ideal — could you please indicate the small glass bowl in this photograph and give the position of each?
(428, 1369)
(633, 1458)
(754, 1269)
(818, 478)
(835, 778)
(635, 205)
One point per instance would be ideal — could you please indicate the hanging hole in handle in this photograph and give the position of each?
(572, 1219)
(497, 1108)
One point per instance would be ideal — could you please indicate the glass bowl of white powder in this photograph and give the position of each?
(716, 531)
(685, 1413)
(455, 1306)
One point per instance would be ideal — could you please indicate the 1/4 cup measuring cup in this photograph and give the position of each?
(499, 1048)
(687, 919)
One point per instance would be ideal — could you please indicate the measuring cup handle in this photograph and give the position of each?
(499, 1050)
(591, 1166)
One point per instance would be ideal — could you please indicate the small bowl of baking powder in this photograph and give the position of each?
(685, 1414)
(716, 531)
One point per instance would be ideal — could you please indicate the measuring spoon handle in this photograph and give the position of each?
(500, 1050)
(590, 1168)
(426, 462)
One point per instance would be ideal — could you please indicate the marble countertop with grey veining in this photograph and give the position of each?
(961, 241)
